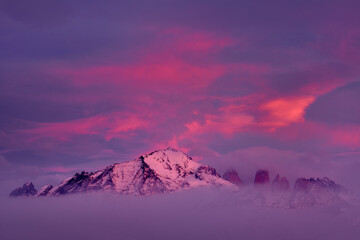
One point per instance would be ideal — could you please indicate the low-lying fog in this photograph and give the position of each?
(194, 214)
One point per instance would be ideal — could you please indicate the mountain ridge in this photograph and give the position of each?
(170, 170)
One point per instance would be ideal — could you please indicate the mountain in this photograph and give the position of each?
(161, 171)
(262, 177)
(280, 183)
(27, 189)
(171, 170)
(233, 177)
(309, 192)
(312, 184)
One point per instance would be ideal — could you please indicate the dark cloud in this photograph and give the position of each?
(302, 80)
(339, 106)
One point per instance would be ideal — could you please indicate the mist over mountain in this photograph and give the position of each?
(199, 213)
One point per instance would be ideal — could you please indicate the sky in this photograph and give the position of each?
(235, 84)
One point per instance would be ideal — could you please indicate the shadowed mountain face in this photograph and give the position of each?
(233, 177)
(27, 189)
(262, 177)
(157, 172)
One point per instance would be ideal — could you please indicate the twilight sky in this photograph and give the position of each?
(242, 84)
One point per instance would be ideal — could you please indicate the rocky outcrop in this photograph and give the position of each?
(312, 184)
(311, 192)
(205, 170)
(77, 183)
(232, 176)
(27, 189)
(262, 177)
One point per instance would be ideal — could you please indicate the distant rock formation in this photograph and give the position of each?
(280, 183)
(232, 176)
(27, 189)
(262, 177)
(312, 184)
(311, 192)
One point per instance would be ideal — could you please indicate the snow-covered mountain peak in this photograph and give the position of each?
(170, 161)
(160, 171)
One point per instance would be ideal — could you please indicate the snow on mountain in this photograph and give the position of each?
(157, 172)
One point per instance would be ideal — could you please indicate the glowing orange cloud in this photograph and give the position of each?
(284, 111)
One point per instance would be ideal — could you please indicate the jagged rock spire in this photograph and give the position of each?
(232, 176)
(262, 177)
(280, 183)
(27, 189)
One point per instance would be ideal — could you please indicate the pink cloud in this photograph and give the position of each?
(164, 65)
(348, 136)
(58, 169)
(230, 120)
(161, 62)
(109, 126)
(150, 75)
(183, 40)
(284, 111)
(321, 87)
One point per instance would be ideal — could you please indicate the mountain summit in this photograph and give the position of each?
(157, 172)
